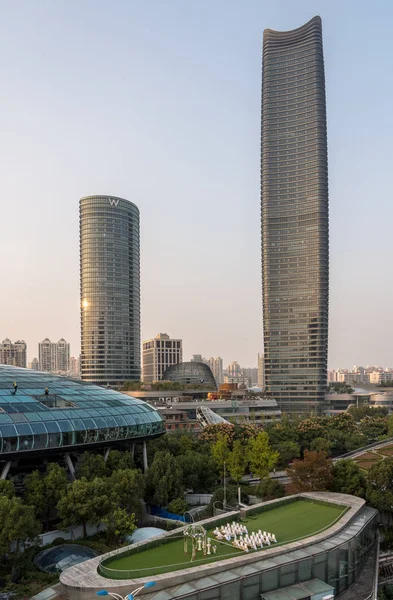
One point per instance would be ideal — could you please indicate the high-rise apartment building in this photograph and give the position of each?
(34, 365)
(46, 355)
(159, 353)
(54, 356)
(294, 203)
(14, 354)
(261, 371)
(234, 369)
(74, 367)
(110, 290)
(215, 364)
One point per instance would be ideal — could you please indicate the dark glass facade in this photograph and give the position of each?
(110, 290)
(294, 217)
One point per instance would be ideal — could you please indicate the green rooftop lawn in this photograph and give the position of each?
(288, 522)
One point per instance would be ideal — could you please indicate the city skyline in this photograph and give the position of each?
(55, 123)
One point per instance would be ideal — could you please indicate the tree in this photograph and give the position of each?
(163, 479)
(288, 450)
(220, 451)
(380, 485)
(126, 488)
(44, 491)
(237, 462)
(118, 460)
(321, 444)
(312, 474)
(261, 457)
(118, 523)
(199, 471)
(18, 524)
(374, 427)
(7, 488)
(90, 466)
(85, 502)
(178, 506)
(348, 478)
(269, 489)
(359, 412)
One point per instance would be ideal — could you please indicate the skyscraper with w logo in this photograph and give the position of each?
(110, 290)
(294, 216)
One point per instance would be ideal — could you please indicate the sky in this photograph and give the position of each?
(158, 102)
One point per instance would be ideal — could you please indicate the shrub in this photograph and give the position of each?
(58, 541)
(177, 506)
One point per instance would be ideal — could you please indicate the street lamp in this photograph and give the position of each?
(131, 596)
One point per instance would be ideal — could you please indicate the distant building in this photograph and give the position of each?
(216, 367)
(54, 357)
(159, 353)
(251, 373)
(332, 376)
(75, 367)
(191, 373)
(352, 378)
(239, 379)
(197, 358)
(34, 364)
(14, 354)
(261, 371)
(380, 377)
(234, 369)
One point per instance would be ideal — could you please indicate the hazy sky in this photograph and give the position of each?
(159, 102)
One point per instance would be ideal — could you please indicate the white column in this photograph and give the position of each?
(6, 469)
(145, 465)
(70, 466)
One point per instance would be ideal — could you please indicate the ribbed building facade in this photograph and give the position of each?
(110, 290)
(294, 216)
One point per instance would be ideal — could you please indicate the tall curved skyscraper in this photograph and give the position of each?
(295, 226)
(110, 290)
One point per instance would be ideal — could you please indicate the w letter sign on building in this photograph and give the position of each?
(113, 201)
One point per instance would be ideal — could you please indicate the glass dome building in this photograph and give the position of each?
(55, 560)
(42, 413)
(191, 373)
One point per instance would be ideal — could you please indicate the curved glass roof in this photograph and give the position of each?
(144, 533)
(55, 560)
(49, 411)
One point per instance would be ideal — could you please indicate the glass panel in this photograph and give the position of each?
(270, 580)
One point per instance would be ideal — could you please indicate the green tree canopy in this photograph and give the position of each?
(91, 466)
(380, 485)
(374, 427)
(220, 451)
(118, 523)
(119, 460)
(269, 489)
(237, 461)
(199, 471)
(7, 488)
(321, 444)
(287, 450)
(261, 457)
(18, 524)
(43, 491)
(126, 489)
(163, 479)
(85, 502)
(348, 478)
